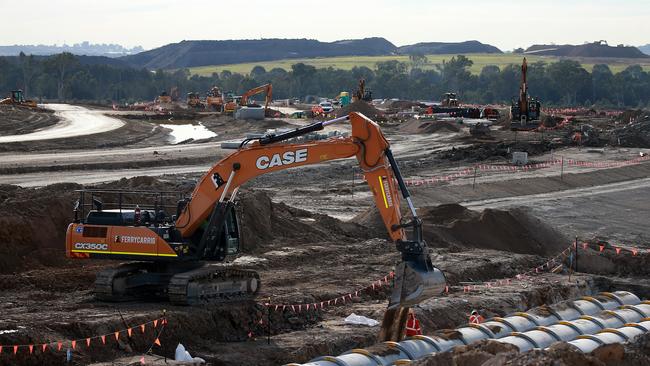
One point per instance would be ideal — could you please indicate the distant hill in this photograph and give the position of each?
(84, 48)
(645, 49)
(441, 48)
(596, 49)
(202, 53)
(84, 60)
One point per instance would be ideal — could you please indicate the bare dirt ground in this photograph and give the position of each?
(299, 238)
(15, 120)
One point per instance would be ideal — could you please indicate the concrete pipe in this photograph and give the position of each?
(578, 321)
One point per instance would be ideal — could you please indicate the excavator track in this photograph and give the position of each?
(110, 284)
(213, 284)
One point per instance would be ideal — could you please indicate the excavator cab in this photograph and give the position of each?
(17, 96)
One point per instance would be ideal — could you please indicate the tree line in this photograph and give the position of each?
(563, 83)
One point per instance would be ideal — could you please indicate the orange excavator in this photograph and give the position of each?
(525, 113)
(178, 256)
(235, 102)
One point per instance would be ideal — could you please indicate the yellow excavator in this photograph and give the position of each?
(17, 98)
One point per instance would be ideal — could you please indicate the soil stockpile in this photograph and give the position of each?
(264, 223)
(361, 107)
(455, 226)
(414, 126)
(33, 222)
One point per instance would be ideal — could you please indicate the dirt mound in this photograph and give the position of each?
(416, 126)
(33, 221)
(33, 224)
(16, 120)
(361, 107)
(265, 222)
(453, 225)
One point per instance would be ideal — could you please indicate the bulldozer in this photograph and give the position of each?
(16, 97)
(194, 101)
(180, 256)
(525, 113)
(214, 100)
(449, 100)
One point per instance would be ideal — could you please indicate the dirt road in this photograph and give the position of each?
(75, 121)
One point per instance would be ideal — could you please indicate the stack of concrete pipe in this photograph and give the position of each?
(585, 323)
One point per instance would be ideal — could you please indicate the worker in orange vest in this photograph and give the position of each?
(412, 325)
(476, 318)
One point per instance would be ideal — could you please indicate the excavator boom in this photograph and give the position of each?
(381, 172)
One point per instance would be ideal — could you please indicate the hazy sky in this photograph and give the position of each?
(152, 23)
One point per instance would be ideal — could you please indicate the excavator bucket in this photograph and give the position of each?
(416, 281)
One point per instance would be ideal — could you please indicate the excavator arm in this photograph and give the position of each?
(416, 278)
(266, 88)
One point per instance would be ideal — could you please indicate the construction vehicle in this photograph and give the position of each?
(177, 256)
(361, 93)
(17, 98)
(524, 114)
(214, 99)
(231, 102)
(266, 88)
(449, 100)
(194, 101)
(163, 98)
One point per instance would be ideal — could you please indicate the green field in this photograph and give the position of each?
(347, 63)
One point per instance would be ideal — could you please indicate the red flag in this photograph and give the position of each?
(117, 335)
(142, 360)
(31, 349)
(15, 349)
(157, 342)
(87, 342)
(44, 347)
(307, 306)
(129, 332)
(59, 345)
(618, 251)
(103, 339)
(74, 344)
(0, 349)
(142, 326)
(634, 251)
(155, 323)
(602, 247)
(321, 304)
